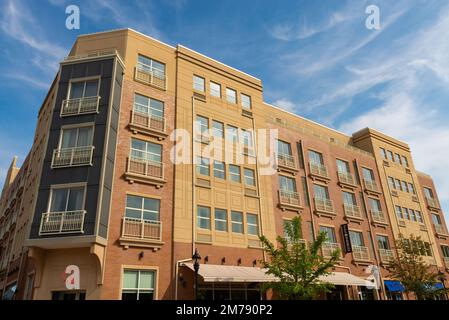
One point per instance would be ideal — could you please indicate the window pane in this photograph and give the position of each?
(368, 174)
(231, 95)
(234, 173)
(221, 220)
(69, 138)
(246, 101)
(91, 89)
(320, 192)
(198, 83)
(58, 200)
(84, 137)
(146, 280)
(217, 129)
(215, 89)
(342, 166)
(349, 198)
(203, 217)
(287, 184)
(330, 234)
(130, 279)
(133, 213)
(134, 202)
(219, 170)
(231, 133)
(315, 157)
(252, 222)
(76, 90)
(202, 166)
(75, 199)
(249, 177)
(356, 238)
(151, 204)
(237, 222)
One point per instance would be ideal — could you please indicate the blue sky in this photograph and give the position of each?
(316, 58)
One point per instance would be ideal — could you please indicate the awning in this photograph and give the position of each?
(220, 273)
(394, 286)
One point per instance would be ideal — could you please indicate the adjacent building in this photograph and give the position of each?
(144, 152)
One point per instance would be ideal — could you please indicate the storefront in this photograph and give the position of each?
(394, 290)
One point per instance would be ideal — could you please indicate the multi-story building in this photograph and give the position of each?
(145, 152)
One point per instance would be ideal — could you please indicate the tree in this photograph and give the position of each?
(298, 266)
(412, 271)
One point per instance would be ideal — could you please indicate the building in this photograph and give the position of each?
(105, 189)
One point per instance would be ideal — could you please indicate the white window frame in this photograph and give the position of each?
(231, 174)
(244, 103)
(138, 289)
(255, 226)
(224, 221)
(199, 83)
(235, 222)
(229, 97)
(213, 91)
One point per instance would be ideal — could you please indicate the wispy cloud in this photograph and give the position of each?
(285, 104)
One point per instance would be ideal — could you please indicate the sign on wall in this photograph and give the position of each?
(72, 281)
(346, 238)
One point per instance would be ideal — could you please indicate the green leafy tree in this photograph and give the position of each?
(412, 271)
(298, 266)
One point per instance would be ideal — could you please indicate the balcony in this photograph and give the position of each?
(286, 162)
(62, 222)
(371, 186)
(379, 218)
(346, 179)
(446, 262)
(386, 255)
(150, 76)
(86, 105)
(148, 124)
(360, 254)
(289, 200)
(440, 231)
(324, 207)
(318, 171)
(352, 212)
(328, 248)
(141, 233)
(71, 157)
(145, 171)
(432, 204)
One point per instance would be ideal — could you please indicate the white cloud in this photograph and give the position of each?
(285, 104)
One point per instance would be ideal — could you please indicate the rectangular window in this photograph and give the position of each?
(203, 217)
(342, 166)
(428, 249)
(148, 106)
(66, 199)
(405, 213)
(215, 89)
(397, 183)
(374, 204)
(321, 192)
(202, 166)
(231, 95)
(253, 225)
(397, 158)
(368, 174)
(349, 198)
(383, 243)
(221, 220)
(246, 101)
(404, 186)
(219, 170)
(411, 188)
(218, 129)
(138, 285)
(436, 219)
(412, 214)
(234, 173)
(202, 124)
(330, 234)
(151, 66)
(428, 193)
(315, 157)
(250, 179)
(445, 250)
(287, 184)
(83, 89)
(399, 212)
(390, 155)
(198, 84)
(76, 137)
(237, 221)
(284, 148)
(142, 208)
(356, 238)
(391, 183)
(404, 161)
(419, 216)
(231, 133)
(383, 153)
(146, 151)
(247, 138)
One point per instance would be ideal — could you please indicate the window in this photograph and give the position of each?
(397, 183)
(202, 166)
(234, 173)
(374, 204)
(315, 157)
(202, 125)
(356, 238)
(404, 161)
(203, 217)
(67, 199)
(428, 193)
(330, 234)
(349, 198)
(342, 166)
(219, 170)
(445, 250)
(148, 106)
(217, 129)
(237, 221)
(231, 133)
(436, 219)
(198, 83)
(246, 101)
(286, 224)
(399, 212)
(287, 184)
(250, 180)
(253, 225)
(231, 95)
(151, 66)
(397, 158)
(383, 243)
(221, 220)
(215, 89)
(138, 285)
(368, 174)
(404, 186)
(383, 153)
(321, 192)
(390, 155)
(83, 89)
(76, 137)
(412, 214)
(419, 217)
(405, 213)
(146, 151)
(142, 208)
(411, 188)
(391, 183)
(247, 138)
(284, 148)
